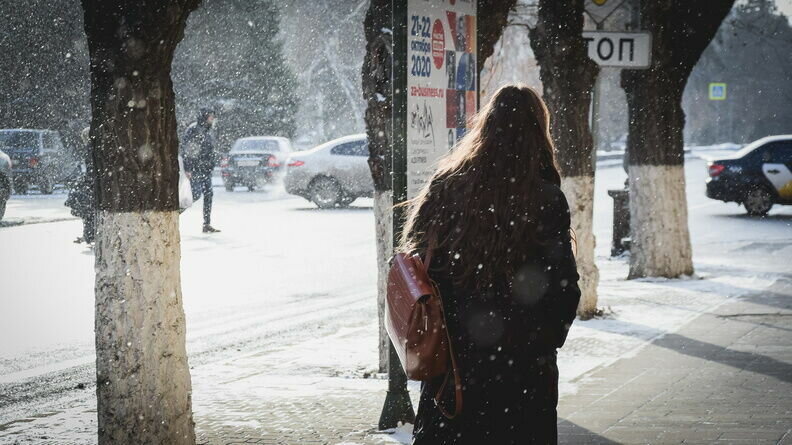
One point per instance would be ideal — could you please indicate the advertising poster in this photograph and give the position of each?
(441, 82)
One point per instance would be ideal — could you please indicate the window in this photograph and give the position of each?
(52, 141)
(781, 152)
(356, 148)
(18, 139)
(270, 145)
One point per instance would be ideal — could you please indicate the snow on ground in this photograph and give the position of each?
(285, 295)
(36, 208)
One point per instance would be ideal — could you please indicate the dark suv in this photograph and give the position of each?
(5, 181)
(254, 161)
(757, 176)
(39, 158)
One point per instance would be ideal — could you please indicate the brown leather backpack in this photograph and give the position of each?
(416, 325)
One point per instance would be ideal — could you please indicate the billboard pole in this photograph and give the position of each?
(435, 92)
(398, 408)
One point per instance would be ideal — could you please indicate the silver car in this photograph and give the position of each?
(332, 174)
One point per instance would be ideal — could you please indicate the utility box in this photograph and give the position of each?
(621, 221)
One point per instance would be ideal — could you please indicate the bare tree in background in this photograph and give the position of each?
(143, 382)
(568, 77)
(327, 65)
(376, 77)
(681, 30)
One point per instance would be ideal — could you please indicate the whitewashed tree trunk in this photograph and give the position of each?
(383, 220)
(579, 191)
(143, 382)
(655, 144)
(659, 232)
(568, 77)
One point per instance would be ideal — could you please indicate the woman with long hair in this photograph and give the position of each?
(499, 228)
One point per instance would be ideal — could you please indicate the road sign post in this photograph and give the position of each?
(717, 91)
(435, 92)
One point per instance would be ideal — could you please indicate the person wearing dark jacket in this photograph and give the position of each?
(199, 161)
(81, 191)
(499, 227)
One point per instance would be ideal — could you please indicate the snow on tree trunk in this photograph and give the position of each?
(383, 219)
(661, 242)
(579, 191)
(568, 77)
(681, 30)
(143, 381)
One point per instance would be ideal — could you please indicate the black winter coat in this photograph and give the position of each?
(201, 136)
(506, 344)
(81, 197)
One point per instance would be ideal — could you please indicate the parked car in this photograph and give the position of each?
(254, 161)
(332, 174)
(39, 158)
(758, 176)
(5, 181)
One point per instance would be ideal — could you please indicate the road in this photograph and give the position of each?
(279, 269)
(280, 272)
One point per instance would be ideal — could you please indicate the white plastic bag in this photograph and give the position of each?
(185, 190)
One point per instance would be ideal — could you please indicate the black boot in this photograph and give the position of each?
(209, 229)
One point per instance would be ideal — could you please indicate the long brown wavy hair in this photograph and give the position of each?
(479, 208)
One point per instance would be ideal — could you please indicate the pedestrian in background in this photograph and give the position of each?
(499, 227)
(199, 160)
(81, 199)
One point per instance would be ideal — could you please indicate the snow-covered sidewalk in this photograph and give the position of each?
(282, 337)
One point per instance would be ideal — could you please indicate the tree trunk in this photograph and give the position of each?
(493, 16)
(681, 30)
(568, 77)
(376, 79)
(143, 382)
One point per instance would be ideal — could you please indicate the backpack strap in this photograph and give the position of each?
(457, 386)
(454, 368)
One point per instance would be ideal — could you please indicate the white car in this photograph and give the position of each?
(332, 174)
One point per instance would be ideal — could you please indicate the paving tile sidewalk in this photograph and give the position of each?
(726, 377)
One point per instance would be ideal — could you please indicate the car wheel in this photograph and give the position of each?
(325, 192)
(20, 187)
(346, 201)
(758, 201)
(229, 186)
(46, 186)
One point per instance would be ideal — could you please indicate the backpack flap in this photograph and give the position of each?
(414, 318)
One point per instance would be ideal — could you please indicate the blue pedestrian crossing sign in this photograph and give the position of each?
(717, 91)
